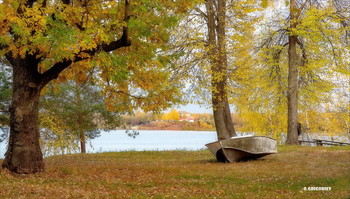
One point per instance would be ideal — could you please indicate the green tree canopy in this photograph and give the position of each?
(81, 108)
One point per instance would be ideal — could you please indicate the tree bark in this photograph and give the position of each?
(221, 31)
(219, 113)
(228, 120)
(82, 142)
(216, 14)
(24, 153)
(292, 92)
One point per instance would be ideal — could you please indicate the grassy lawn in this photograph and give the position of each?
(183, 174)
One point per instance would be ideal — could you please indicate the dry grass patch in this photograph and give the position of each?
(183, 174)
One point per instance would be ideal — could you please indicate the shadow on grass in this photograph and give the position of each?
(214, 161)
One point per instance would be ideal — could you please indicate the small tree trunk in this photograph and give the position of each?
(82, 143)
(24, 154)
(292, 93)
(80, 118)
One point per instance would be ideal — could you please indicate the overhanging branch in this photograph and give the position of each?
(57, 68)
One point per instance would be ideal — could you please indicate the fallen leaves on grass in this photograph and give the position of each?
(185, 174)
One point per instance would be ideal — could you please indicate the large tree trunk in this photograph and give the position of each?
(219, 111)
(292, 93)
(222, 54)
(24, 154)
(216, 13)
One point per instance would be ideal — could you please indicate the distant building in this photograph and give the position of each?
(186, 117)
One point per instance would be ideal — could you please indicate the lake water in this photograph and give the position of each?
(147, 140)
(151, 140)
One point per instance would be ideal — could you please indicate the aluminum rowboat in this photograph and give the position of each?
(243, 148)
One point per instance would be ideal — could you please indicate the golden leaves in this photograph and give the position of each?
(264, 3)
(320, 38)
(173, 115)
(56, 139)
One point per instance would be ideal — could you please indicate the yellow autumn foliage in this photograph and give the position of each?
(323, 52)
(173, 115)
(56, 138)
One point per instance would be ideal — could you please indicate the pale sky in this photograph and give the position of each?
(194, 108)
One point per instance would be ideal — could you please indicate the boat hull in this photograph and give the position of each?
(242, 148)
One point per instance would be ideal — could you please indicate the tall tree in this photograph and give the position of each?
(292, 92)
(300, 56)
(42, 39)
(298, 16)
(216, 24)
(211, 54)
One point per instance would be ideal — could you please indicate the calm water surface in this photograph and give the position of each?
(147, 140)
(150, 140)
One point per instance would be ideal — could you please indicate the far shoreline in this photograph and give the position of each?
(171, 126)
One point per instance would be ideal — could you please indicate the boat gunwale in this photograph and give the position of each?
(241, 137)
(249, 151)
